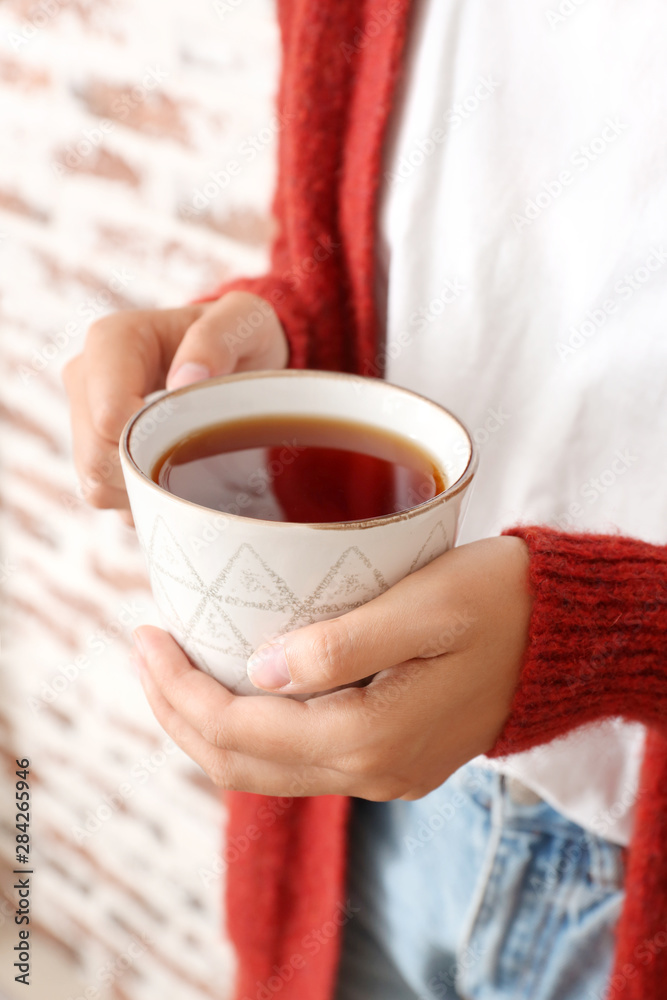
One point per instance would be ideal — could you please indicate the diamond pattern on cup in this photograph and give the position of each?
(166, 556)
(209, 616)
(248, 582)
(211, 626)
(351, 581)
(436, 543)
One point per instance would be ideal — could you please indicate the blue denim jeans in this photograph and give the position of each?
(473, 893)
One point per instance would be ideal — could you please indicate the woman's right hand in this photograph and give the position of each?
(128, 355)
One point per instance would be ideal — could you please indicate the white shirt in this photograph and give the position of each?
(523, 280)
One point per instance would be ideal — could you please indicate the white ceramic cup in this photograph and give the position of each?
(225, 583)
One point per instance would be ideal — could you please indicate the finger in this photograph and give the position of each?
(218, 339)
(235, 771)
(97, 461)
(127, 356)
(407, 621)
(278, 729)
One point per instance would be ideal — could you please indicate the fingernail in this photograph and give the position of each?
(267, 667)
(187, 374)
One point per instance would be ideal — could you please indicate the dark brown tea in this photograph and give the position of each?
(299, 468)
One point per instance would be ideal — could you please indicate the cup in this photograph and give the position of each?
(224, 583)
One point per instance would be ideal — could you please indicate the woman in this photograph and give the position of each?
(469, 204)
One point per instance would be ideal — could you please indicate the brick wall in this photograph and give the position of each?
(120, 120)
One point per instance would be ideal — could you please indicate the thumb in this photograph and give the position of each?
(387, 630)
(211, 345)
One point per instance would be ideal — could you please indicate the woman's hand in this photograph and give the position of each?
(130, 354)
(444, 646)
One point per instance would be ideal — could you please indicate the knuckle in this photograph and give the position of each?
(386, 789)
(108, 419)
(331, 649)
(102, 498)
(99, 329)
(366, 763)
(97, 485)
(214, 733)
(225, 774)
(418, 792)
(98, 467)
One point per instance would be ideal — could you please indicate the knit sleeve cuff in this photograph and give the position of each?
(286, 305)
(597, 642)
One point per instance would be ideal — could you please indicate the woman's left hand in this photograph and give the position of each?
(445, 647)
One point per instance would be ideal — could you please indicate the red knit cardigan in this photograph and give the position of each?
(599, 625)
